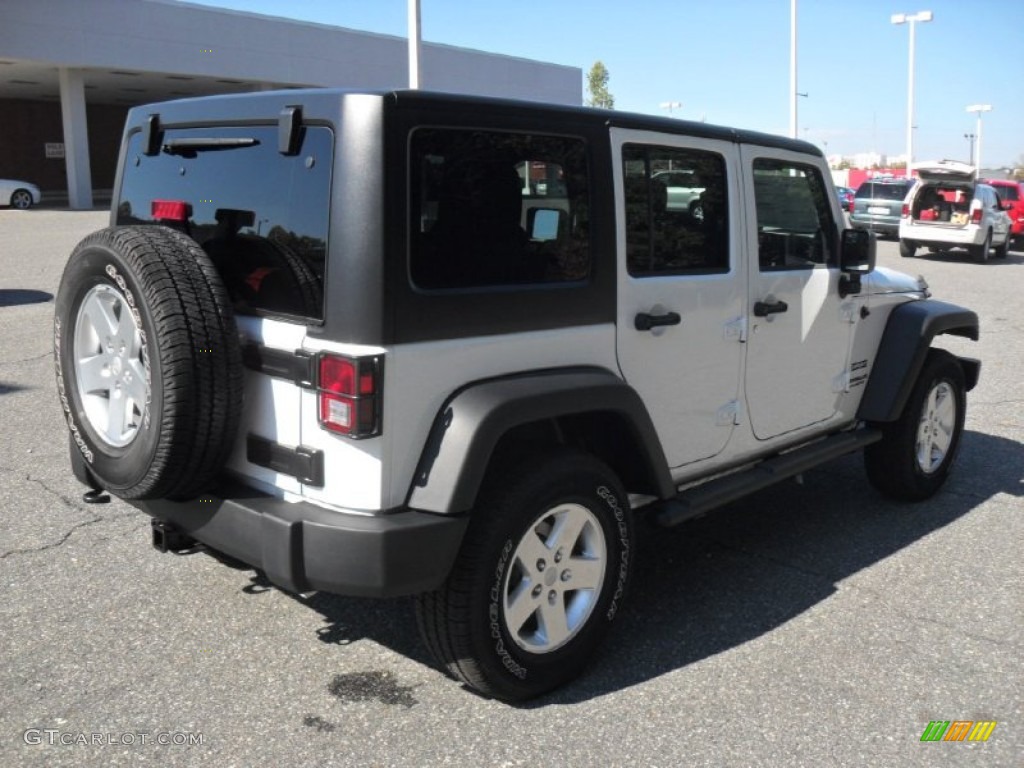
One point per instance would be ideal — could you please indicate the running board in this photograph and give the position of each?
(694, 502)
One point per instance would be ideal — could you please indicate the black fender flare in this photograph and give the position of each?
(902, 351)
(472, 421)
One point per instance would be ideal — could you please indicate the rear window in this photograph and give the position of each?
(261, 216)
(883, 190)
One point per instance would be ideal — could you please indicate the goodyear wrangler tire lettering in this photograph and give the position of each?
(153, 416)
(542, 572)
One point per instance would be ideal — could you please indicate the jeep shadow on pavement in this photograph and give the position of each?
(412, 344)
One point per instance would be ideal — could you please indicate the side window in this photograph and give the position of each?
(491, 209)
(677, 217)
(795, 229)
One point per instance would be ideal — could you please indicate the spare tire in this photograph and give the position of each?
(148, 363)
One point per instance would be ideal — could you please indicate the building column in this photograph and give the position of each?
(76, 138)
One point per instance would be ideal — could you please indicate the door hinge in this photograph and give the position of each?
(848, 312)
(729, 414)
(737, 329)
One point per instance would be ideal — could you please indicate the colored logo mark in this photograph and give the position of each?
(958, 730)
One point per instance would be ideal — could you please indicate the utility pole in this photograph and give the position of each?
(414, 44)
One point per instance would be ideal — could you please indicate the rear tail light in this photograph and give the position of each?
(906, 210)
(976, 215)
(170, 210)
(349, 393)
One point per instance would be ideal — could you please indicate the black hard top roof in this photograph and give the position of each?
(266, 104)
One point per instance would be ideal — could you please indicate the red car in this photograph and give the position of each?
(1010, 191)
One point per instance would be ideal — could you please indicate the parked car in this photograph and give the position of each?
(684, 190)
(947, 209)
(333, 335)
(19, 194)
(878, 204)
(846, 196)
(1011, 191)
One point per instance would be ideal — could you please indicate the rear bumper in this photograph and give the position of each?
(884, 226)
(943, 234)
(303, 547)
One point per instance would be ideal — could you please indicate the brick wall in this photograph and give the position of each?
(27, 126)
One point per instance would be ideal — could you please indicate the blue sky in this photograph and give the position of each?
(728, 60)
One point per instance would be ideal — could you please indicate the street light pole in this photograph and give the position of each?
(978, 109)
(970, 139)
(908, 18)
(792, 69)
(414, 44)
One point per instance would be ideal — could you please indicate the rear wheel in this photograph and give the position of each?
(541, 575)
(917, 451)
(980, 253)
(907, 248)
(1003, 250)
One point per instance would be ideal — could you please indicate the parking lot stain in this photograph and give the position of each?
(318, 723)
(367, 686)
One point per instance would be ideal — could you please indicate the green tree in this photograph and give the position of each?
(597, 87)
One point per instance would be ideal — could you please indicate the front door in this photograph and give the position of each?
(800, 328)
(681, 287)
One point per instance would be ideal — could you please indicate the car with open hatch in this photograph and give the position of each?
(948, 209)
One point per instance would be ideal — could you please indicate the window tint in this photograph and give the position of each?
(492, 209)
(795, 229)
(1007, 192)
(260, 215)
(677, 213)
(888, 190)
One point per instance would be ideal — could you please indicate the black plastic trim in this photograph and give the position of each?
(152, 134)
(303, 547)
(298, 366)
(901, 354)
(468, 427)
(305, 464)
(289, 130)
(715, 493)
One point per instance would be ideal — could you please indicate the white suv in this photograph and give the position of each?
(406, 343)
(947, 209)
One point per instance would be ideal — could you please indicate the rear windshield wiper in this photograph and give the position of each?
(189, 147)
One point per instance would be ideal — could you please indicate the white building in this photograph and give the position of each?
(70, 69)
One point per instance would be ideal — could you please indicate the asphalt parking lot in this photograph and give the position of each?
(813, 624)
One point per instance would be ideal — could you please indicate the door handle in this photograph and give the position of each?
(765, 308)
(646, 322)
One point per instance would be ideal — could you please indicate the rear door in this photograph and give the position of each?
(681, 289)
(262, 217)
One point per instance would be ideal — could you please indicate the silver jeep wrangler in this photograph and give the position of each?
(418, 344)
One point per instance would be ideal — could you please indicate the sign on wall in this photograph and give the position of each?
(54, 150)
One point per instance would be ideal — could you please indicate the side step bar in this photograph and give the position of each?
(694, 502)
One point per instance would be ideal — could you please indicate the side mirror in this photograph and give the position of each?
(1006, 205)
(857, 251)
(856, 259)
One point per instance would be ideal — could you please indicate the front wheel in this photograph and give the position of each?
(917, 451)
(540, 577)
(907, 248)
(21, 199)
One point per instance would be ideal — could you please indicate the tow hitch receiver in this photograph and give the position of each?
(170, 538)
